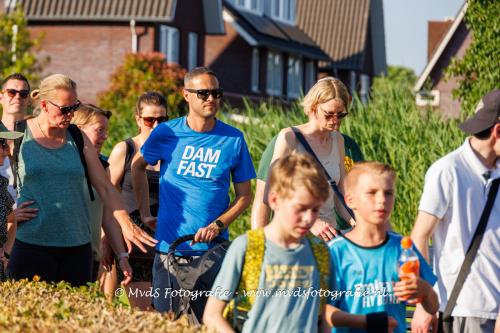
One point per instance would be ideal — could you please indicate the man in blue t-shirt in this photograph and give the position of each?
(199, 156)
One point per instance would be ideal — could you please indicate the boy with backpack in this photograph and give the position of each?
(365, 261)
(275, 270)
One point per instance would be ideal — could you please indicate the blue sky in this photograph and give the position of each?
(406, 29)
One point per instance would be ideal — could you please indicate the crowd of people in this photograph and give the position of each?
(320, 255)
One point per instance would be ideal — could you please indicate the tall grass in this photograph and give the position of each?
(389, 129)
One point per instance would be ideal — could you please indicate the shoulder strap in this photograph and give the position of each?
(340, 143)
(322, 257)
(254, 257)
(129, 153)
(19, 126)
(332, 182)
(471, 251)
(77, 136)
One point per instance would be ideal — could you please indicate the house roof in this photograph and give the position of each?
(261, 30)
(339, 27)
(440, 48)
(98, 10)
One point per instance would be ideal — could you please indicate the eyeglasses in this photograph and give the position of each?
(204, 93)
(337, 115)
(13, 92)
(69, 108)
(150, 121)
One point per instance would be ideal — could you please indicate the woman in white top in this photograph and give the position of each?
(325, 104)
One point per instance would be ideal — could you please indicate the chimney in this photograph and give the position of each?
(435, 33)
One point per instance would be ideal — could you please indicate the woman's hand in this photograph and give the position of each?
(22, 213)
(323, 230)
(133, 234)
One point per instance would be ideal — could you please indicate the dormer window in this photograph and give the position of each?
(283, 10)
(256, 6)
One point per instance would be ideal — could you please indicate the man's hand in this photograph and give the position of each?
(207, 234)
(323, 230)
(134, 234)
(422, 321)
(22, 213)
(107, 255)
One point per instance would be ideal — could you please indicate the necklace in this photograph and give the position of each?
(45, 135)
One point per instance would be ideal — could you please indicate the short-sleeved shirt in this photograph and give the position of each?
(196, 169)
(352, 152)
(455, 191)
(283, 269)
(368, 274)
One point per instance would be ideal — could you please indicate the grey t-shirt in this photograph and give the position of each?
(291, 270)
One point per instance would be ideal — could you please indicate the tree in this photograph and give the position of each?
(478, 72)
(17, 48)
(139, 73)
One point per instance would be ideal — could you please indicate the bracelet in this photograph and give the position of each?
(122, 255)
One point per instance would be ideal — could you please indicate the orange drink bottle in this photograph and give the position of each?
(408, 262)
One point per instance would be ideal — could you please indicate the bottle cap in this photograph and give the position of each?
(406, 242)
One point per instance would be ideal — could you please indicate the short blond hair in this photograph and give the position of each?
(50, 85)
(289, 173)
(366, 167)
(88, 114)
(324, 90)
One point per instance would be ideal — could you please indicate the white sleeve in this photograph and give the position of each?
(437, 193)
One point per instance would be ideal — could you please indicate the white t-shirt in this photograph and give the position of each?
(6, 171)
(456, 191)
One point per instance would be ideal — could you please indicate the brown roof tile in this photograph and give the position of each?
(339, 27)
(92, 10)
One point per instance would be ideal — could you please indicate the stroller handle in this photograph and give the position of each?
(186, 238)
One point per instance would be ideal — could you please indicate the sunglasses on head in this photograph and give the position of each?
(204, 93)
(150, 121)
(69, 108)
(13, 92)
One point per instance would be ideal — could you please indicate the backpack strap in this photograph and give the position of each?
(19, 126)
(322, 256)
(77, 136)
(129, 153)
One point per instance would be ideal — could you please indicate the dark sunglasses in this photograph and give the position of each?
(69, 108)
(4, 144)
(204, 93)
(13, 92)
(150, 121)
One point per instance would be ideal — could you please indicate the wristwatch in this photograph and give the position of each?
(219, 224)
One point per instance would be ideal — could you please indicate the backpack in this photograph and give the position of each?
(76, 134)
(250, 274)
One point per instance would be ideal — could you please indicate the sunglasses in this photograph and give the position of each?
(150, 121)
(69, 108)
(204, 93)
(4, 144)
(13, 92)
(337, 115)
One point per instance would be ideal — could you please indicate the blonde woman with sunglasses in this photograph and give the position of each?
(151, 110)
(55, 245)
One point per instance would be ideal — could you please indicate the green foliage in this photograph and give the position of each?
(389, 129)
(23, 60)
(140, 73)
(31, 306)
(478, 72)
(403, 76)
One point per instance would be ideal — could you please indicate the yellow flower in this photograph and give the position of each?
(36, 278)
(348, 163)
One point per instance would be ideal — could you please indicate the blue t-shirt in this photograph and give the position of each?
(365, 276)
(195, 174)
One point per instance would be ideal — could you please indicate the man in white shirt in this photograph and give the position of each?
(455, 193)
(15, 100)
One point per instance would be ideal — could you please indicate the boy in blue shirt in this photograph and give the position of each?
(289, 261)
(371, 294)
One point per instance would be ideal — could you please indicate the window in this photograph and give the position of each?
(255, 70)
(251, 5)
(294, 78)
(283, 10)
(169, 43)
(310, 75)
(365, 88)
(274, 74)
(192, 50)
